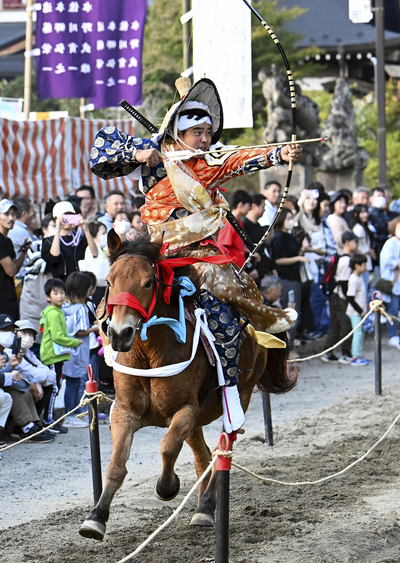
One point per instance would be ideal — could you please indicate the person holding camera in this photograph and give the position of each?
(67, 246)
(24, 418)
(10, 265)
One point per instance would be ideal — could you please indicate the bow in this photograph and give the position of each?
(294, 128)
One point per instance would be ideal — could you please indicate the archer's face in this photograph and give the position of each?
(198, 137)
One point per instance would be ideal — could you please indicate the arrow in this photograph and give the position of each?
(186, 155)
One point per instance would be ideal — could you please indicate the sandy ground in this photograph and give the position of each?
(330, 419)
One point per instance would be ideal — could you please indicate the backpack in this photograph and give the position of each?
(329, 283)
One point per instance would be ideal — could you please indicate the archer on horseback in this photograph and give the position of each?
(185, 205)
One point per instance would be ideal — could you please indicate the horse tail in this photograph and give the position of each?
(278, 376)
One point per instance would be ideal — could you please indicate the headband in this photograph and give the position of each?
(184, 122)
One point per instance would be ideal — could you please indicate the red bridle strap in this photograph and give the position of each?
(130, 301)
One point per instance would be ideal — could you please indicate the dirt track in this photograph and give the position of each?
(330, 420)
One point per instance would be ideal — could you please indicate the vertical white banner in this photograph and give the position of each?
(222, 52)
(360, 11)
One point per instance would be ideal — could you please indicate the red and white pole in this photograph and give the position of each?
(223, 466)
(91, 387)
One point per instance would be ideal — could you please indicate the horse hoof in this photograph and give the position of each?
(172, 494)
(92, 529)
(202, 519)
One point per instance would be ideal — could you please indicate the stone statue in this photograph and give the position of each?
(279, 127)
(342, 152)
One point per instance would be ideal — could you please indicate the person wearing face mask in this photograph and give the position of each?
(64, 250)
(41, 378)
(121, 224)
(23, 414)
(33, 298)
(98, 265)
(285, 252)
(379, 217)
(389, 262)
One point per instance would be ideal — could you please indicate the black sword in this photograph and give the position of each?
(138, 116)
(153, 129)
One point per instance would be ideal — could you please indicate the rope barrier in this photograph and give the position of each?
(374, 305)
(101, 397)
(297, 484)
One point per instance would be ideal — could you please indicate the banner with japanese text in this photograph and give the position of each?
(91, 49)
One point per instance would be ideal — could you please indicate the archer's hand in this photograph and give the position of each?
(151, 157)
(291, 153)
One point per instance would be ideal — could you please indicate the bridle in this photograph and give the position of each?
(163, 274)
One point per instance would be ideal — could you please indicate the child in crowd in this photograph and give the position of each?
(94, 345)
(75, 370)
(340, 322)
(357, 297)
(56, 345)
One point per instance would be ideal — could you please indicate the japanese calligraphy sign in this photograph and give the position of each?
(90, 49)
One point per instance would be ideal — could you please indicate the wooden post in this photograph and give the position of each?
(379, 12)
(269, 434)
(28, 59)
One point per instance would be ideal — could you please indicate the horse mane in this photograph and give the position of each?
(143, 246)
(140, 245)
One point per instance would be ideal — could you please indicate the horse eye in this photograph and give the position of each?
(148, 284)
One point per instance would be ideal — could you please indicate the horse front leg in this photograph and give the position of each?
(204, 513)
(123, 427)
(202, 456)
(181, 426)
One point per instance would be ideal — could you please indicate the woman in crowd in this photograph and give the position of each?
(336, 221)
(67, 246)
(285, 251)
(389, 261)
(98, 265)
(360, 227)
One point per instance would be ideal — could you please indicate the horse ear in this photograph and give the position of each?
(113, 241)
(159, 239)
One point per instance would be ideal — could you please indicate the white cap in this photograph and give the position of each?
(5, 205)
(62, 207)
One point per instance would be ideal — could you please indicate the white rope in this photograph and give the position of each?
(374, 306)
(267, 480)
(172, 517)
(83, 402)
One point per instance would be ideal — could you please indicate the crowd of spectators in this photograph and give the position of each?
(323, 257)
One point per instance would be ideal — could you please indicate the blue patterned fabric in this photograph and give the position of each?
(224, 323)
(111, 156)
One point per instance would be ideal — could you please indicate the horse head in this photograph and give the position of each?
(131, 287)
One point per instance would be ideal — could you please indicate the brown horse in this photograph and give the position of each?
(183, 403)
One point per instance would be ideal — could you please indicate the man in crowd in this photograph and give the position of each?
(10, 265)
(114, 203)
(379, 217)
(255, 231)
(228, 237)
(24, 227)
(271, 192)
(88, 201)
(359, 197)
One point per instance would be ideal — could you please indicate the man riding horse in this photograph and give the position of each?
(185, 205)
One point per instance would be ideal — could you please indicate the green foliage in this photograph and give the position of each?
(323, 99)
(366, 128)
